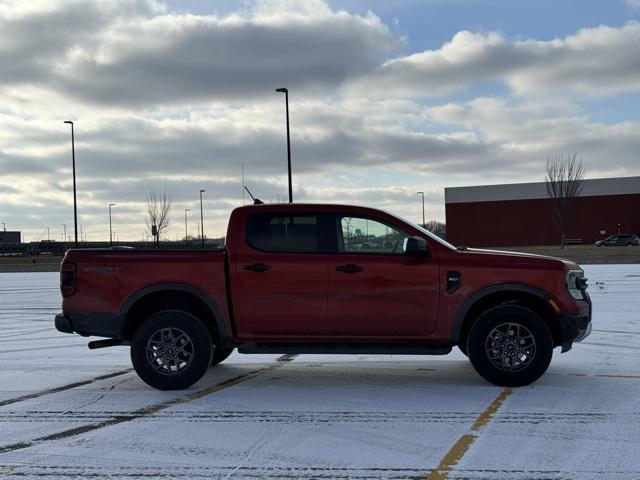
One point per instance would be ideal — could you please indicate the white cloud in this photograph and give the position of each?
(324, 137)
(526, 135)
(129, 53)
(594, 61)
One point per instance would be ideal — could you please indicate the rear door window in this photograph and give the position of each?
(283, 232)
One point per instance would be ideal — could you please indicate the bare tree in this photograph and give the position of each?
(158, 208)
(437, 228)
(564, 181)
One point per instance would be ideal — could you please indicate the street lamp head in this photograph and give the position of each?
(419, 193)
(282, 90)
(69, 122)
(187, 209)
(112, 204)
(202, 191)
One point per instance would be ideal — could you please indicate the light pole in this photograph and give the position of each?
(4, 227)
(48, 235)
(201, 220)
(75, 204)
(286, 99)
(422, 193)
(186, 232)
(110, 230)
(64, 236)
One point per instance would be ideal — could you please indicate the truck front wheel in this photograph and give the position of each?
(510, 346)
(171, 350)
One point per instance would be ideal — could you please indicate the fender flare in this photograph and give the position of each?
(486, 291)
(161, 287)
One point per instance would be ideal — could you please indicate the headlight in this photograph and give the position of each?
(576, 284)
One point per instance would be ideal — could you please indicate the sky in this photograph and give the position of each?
(386, 99)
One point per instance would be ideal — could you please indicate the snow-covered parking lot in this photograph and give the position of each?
(66, 411)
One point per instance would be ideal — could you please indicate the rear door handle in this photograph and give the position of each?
(257, 267)
(349, 268)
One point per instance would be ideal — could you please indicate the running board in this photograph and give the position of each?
(110, 342)
(345, 348)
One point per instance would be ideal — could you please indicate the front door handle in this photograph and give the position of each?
(349, 268)
(257, 267)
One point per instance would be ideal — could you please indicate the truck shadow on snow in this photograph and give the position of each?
(369, 372)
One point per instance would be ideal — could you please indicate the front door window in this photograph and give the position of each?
(367, 236)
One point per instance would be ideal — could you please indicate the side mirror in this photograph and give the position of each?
(415, 247)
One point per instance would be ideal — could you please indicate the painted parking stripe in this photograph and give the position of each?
(460, 448)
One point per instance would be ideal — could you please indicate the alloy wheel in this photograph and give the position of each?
(170, 351)
(510, 347)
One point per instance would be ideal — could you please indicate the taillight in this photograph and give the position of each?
(68, 279)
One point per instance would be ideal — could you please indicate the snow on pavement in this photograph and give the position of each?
(66, 411)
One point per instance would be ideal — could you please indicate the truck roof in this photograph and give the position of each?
(308, 206)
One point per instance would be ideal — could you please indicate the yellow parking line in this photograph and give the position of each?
(460, 448)
(216, 388)
(486, 416)
(452, 457)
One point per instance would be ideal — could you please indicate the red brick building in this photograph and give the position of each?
(522, 213)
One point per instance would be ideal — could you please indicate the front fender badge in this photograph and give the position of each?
(453, 281)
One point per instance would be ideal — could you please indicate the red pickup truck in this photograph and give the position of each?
(303, 278)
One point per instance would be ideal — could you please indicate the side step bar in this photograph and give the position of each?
(110, 342)
(346, 348)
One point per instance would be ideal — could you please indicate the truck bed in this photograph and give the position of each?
(110, 278)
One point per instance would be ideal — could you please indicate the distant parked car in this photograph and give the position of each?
(620, 240)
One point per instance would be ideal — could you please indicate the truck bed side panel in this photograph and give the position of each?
(106, 278)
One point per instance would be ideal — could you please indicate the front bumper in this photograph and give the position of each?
(63, 323)
(90, 324)
(575, 328)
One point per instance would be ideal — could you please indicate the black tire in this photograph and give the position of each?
(171, 350)
(220, 354)
(510, 359)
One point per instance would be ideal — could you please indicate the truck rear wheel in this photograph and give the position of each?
(171, 350)
(510, 346)
(220, 354)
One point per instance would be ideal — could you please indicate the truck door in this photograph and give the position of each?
(279, 277)
(374, 289)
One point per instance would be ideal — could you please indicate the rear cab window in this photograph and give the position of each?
(283, 232)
